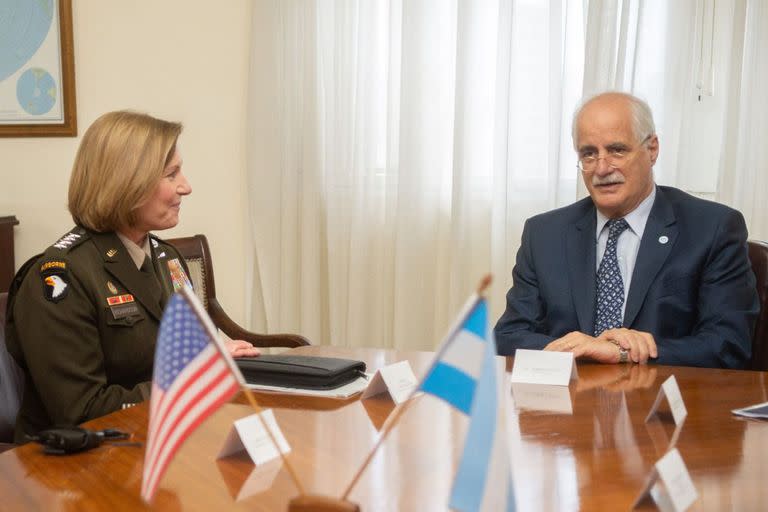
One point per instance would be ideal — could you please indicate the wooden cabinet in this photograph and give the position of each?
(7, 261)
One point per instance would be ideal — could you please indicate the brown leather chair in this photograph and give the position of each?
(198, 257)
(758, 256)
(11, 385)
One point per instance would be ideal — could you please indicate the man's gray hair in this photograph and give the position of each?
(642, 117)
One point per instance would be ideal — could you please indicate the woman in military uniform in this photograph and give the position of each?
(83, 316)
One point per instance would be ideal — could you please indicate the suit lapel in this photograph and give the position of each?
(658, 239)
(581, 268)
(119, 264)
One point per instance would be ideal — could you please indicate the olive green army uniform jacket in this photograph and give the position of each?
(82, 324)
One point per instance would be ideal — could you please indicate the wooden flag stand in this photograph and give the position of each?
(316, 503)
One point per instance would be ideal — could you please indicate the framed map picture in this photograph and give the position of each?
(37, 69)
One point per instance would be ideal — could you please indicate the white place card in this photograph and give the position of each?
(249, 434)
(759, 411)
(671, 391)
(540, 367)
(670, 484)
(542, 397)
(397, 379)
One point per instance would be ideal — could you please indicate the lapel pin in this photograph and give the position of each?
(111, 287)
(663, 239)
(111, 252)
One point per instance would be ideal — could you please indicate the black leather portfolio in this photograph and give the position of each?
(309, 372)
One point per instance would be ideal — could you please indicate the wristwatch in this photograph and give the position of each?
(623, 355)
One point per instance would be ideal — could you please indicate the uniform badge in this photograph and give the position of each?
(119, 299)
(111, 253)
(68, 240)
(55, 278)
(178, 276)
(130, 310)
(111, 287)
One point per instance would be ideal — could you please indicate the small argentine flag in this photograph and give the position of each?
(465, 375)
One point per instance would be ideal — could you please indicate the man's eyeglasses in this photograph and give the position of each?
(616, 158)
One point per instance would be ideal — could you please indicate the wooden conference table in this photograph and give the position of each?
(595, 458)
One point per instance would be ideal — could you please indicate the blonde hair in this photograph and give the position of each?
(119, 163)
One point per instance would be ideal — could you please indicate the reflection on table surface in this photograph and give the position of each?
(594, 456)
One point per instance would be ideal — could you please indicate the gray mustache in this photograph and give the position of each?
(608, 180)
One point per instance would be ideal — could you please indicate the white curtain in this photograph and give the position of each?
(395, 150)
(744, 162)
(397, 147)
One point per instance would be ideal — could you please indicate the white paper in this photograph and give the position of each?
(677, 493)
(671, 391)
(249, 434)
(753, 411)
(540, 367)
(677, 481)
(542, 397)
(397, 379)
(347, 390)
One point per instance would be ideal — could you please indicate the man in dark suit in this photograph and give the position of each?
(635, 271)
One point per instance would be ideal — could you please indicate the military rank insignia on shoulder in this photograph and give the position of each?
(73, 238)
(55, 277)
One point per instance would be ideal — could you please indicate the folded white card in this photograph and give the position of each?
(542, 397)
(676, 492)
(397, 379)
(753, 411)
(540, 367)
(671, 391)
(249, 434)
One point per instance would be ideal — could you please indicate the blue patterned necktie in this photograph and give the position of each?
(610, 286)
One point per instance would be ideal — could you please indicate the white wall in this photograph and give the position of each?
(182, 60)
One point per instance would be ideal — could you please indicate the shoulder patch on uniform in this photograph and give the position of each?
(73, 238)
(53, 264)
(55, 278)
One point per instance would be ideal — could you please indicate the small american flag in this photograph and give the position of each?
(193, 376)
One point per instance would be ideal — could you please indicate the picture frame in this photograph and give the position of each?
(39, 87)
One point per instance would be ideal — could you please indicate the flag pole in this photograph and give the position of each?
(392, 420)
(259, 409)
(202, 315)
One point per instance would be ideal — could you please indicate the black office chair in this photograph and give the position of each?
(197, 255)
(11, 385)
(758, 256)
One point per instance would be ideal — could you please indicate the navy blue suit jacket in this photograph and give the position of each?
(695, 294)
